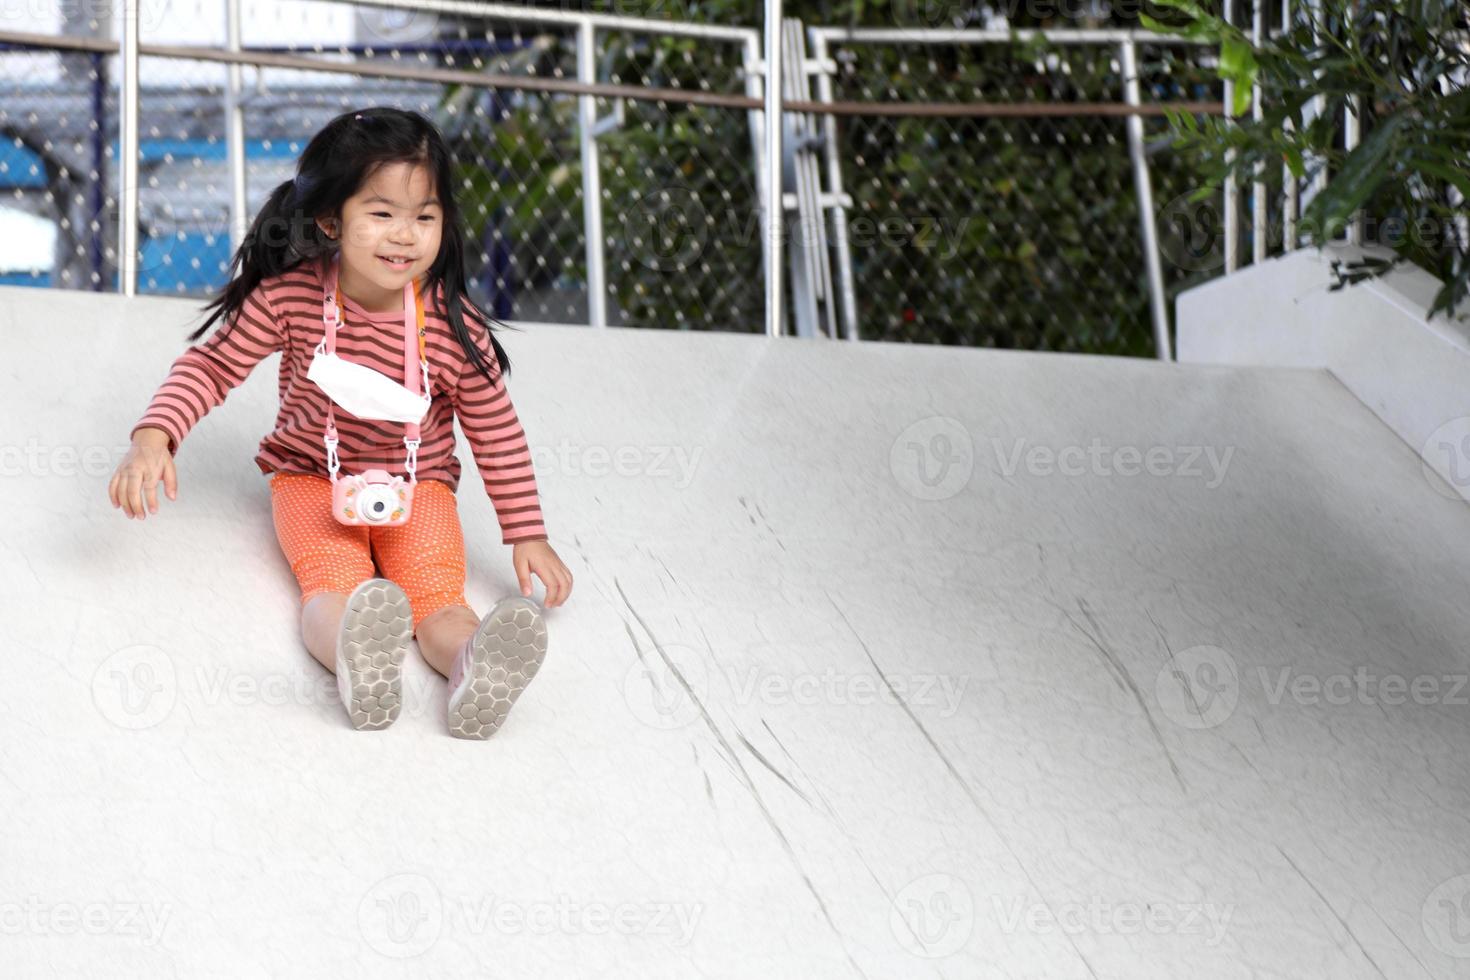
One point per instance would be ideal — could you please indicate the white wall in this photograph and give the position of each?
(1412, 372)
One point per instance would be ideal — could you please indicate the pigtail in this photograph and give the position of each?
(281, 235)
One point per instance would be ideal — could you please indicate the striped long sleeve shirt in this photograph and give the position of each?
(284, 313)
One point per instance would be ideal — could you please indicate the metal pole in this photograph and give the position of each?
(1319, 101)
(127, 224)
(834, 183)
(1351, 132)
(753, 80)
(772, 174)
(807, 243)
(1259, 211)
(98, 197)
(1232, 220)
(1143, 187)
(591, 177)
(521, 13)
(1289, 207)
(1350, 136)
(947, 35)
(235, 130)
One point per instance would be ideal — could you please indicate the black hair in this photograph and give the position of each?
(334, 165)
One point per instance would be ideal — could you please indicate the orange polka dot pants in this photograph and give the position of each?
(425, 556)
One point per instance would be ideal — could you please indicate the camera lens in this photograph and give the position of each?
(376, 504)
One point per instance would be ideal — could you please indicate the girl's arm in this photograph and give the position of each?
(203, 375)
(501, 454)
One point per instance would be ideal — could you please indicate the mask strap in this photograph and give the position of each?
(413, 310)
(331, 317)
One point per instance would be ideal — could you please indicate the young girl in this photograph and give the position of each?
(372, 208)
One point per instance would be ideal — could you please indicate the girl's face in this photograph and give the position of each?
(394, 215)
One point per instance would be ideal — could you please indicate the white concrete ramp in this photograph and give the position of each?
(882, 661)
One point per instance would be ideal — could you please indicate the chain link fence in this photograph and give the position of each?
(983, 231)
(682, 183)
(56, 176)
(517, 151)
(1004, 231)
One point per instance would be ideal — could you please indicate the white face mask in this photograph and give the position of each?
(361, 390)
(365, 392)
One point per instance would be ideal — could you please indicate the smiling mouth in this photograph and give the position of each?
(402, 264)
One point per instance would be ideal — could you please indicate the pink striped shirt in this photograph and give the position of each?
(284, 313)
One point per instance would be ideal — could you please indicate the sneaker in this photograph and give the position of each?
(494, 666)
(376, 627)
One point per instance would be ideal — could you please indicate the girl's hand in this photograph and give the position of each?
(146, 463)
(540, 557)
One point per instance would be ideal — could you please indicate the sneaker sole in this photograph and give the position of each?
(376, 628)
(506, 651)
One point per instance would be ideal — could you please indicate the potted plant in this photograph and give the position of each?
(1404, 67)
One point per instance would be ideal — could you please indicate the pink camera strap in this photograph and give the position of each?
(413, 326)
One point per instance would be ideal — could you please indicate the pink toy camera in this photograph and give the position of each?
(375, 498)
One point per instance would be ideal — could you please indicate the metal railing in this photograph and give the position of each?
(589, 133)
(732, 270)
(1292, 199)
(1027, 111)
